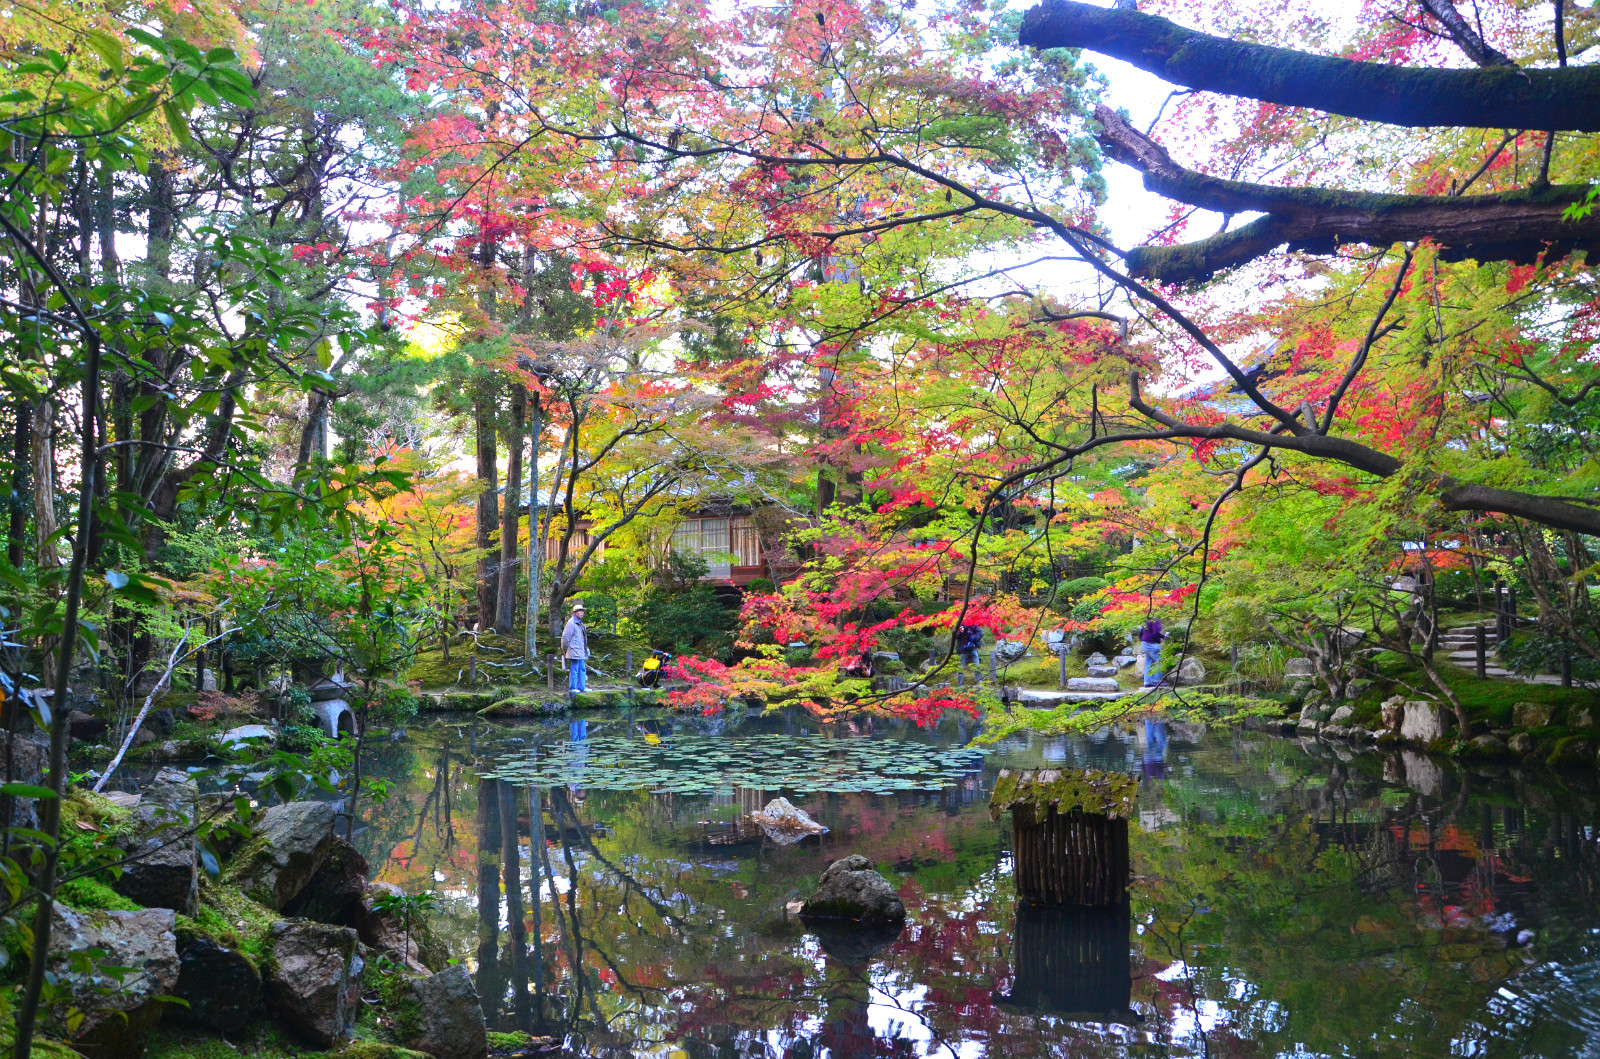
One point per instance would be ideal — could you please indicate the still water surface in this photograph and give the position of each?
(1287, 900)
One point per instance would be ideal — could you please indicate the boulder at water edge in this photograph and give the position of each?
(1423, 722)
(334, 893)
(852, 889)
(118, 1017)
(221, 986)
(314, 979)
(162, 875)
(1193, 671)
(451, 1015)
(420, 950)
(290, 843)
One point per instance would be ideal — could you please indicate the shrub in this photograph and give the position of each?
(682, 620)
(395, 706)
(761, 586)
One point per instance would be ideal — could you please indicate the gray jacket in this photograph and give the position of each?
(574, 639)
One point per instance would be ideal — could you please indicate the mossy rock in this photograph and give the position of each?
(89, 894)
(397, 1013)
(230, 918)
(469, 700)
(593, 700)
(376, 1050)
(525, 706)
(508, 1042)
(1572, 751)
(80, 806)
(41, 1047)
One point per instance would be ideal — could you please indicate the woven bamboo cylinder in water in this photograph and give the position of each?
(1070, 833)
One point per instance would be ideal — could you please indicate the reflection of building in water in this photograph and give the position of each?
(1073, 962)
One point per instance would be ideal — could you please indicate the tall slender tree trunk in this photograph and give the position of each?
(21, 459)
(535, 539)
(505, 615)
(488, 509)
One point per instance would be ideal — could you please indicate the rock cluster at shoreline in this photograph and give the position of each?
(290, 932)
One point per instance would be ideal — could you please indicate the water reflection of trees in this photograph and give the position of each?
(1286, 899)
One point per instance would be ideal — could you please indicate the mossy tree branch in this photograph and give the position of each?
(1510, 226)
(1497, 97)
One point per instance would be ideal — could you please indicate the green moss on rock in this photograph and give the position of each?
(376, 1050)
(1573, 751)
(508, 1042)
(234, 920)
(525, 706)
(89, 894)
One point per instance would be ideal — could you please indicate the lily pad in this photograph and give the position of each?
(698, 764)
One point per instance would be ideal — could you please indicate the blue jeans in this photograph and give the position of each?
(1152, 660)
(577, 675)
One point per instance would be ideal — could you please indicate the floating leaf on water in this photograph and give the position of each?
(694, 764)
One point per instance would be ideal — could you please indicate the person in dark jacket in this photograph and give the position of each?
(1150, 638)
(969, 638)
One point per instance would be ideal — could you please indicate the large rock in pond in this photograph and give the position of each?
(334, 893)
(1423, 722)
(852, 889)
(221, 986)
(451, 1016)
(162, 871)
(420, 950)
(313, 979)
(118, 1016)
(785, 823)
(289, 845)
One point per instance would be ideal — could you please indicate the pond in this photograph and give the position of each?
(1286, 900)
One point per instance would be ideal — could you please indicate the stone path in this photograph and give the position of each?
(1460, 645)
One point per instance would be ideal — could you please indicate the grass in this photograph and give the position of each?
(1489, 701)
(608, 651)
(270, 1042)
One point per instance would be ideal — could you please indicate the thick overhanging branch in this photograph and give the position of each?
(1454, 495)
(1507, 226)
(1497, 97)
(1467, 39)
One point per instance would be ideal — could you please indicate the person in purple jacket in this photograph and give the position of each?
(1150, 637)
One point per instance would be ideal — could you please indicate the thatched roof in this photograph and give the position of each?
(1105, 793)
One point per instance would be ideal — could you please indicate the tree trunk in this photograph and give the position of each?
(488, 508)
(505, 615)
(1499, 97)
(21, 458)
(535, 540)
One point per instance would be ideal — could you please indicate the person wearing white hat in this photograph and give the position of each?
(575, 647)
